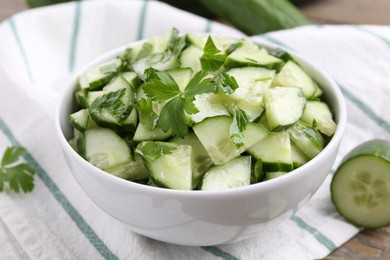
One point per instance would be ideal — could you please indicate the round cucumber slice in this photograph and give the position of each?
(360, 188)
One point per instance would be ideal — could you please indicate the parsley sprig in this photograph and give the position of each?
(238, 126)
(161, 87)
(18, 175)
(212, 58)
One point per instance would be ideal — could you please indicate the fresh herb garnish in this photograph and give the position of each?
(161, 87)
(212, 58)
(227, 83)
(238, 126)
(18, 175)
(153, 150)
(113, 102)
(146, 114)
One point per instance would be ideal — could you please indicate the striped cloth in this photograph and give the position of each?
(40, 48)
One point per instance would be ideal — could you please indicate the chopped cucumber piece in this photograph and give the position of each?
(81, 120)
(234, 174)
(307, 139)
(317, 113)
(134, 170)
(209, 105)
(274, 151)
(144, 134)
(159, 61)
(220, 146)
(201, 160)
(283, 106)
(190, 58)
(273, 175)
(292, 75)
(298, 157)
(249, 54)
(360, 187)
(103, 148)
(96, 77)
(252, 82)
(169, 164)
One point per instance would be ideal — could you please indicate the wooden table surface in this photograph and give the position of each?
(368, 244)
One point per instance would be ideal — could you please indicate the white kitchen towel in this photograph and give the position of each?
(41, 48)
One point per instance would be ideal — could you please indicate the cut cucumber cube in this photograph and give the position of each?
(144, 134)
(81, 98)
(132, 78)
(201, 160)
(318, 112)
(182, 76)
(169, 164)
(283, 106)
(252, 82)
(134, 170)
(298, 157)
(234, 174)
(292, 75)
(273, 175)
(274, 151)
(209, 105)
(190, 58)
(96, 77)
(257, 172)
(308, 139)
(360, 188)
(222, 43)
(111, 106)
(220, 146)
(103, 148)
(81, 120)
(159, 61)
(249, 54)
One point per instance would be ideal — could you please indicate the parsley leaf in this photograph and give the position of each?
(238, 126)
(160, 86)
(172, 117)
(227, 83)
(18, 175)
(151, 150)
(146, 114)
(212, 58)
(113, 102)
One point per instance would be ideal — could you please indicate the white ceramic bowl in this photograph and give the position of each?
(201, 218)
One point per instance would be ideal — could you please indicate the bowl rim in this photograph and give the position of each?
(335, 140)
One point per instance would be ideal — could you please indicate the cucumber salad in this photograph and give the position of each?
(196, 112)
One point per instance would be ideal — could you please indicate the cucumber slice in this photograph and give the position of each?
(318, 112)
(220, 146)
(292, 75)
(182, 76)
(159, 61)
(273, 175)
(236, 173)
(103, 148)
(190, 58)
(308, 139)
(209, 105)
(96, 77)
(249, 54)
(144, 134)
(298, 157)
(81, 98)
(222, 43)
(257, 172)
(201, 160)
(274, 151)
(283, 106)
(252, 82)
(360, 188)
(81, 120)
(134, 170)
(169, 164)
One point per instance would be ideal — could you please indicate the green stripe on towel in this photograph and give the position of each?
(60, 197)
(218, 252)
(20, 45)
(366, 110)
(376, 35)
(317, 234)
(75, 35)
(142, 19)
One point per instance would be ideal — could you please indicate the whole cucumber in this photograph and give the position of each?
(257, 16)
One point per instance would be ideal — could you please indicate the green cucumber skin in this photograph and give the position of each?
(257, 16)
(376, 147)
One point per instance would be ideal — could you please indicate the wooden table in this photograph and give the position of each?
(367, 244)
